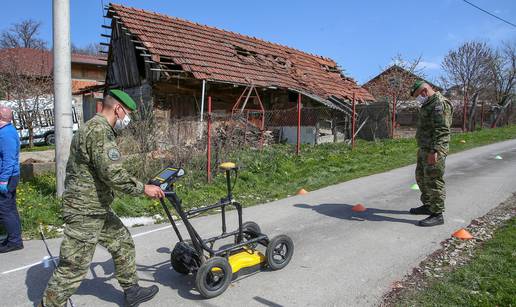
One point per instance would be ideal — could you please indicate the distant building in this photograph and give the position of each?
(394, 77)
(396, 82)
(87, 71)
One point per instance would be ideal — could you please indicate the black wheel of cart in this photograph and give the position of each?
(247, 229)
(178, 266)
(213, 277)
(279, 252)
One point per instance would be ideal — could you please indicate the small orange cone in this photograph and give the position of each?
(462, 234)
(358, 208)
(302, 192)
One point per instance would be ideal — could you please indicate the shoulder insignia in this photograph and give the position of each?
(113, 154)
(439, 108)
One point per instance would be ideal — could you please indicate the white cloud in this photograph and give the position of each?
(452, 37)
(428, 65)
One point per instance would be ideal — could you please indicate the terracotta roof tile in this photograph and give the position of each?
(78, 85)
(219, 55)
(36, 62)
(26, 61)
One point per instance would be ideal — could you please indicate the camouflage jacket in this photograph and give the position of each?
(433, 124)
(94, 171)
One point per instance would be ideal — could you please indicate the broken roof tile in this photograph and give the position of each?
(231, 57)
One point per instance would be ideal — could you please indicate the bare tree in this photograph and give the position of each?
(28, 91)
(468, 68)
(91, 49)
(402, 79)
(23, 35)
(502, 68)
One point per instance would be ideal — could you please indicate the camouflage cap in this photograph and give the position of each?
(123, 98)
(417, 84)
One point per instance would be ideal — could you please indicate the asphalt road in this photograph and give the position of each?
(341, 258)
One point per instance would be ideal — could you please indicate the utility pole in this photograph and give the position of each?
(62, 88)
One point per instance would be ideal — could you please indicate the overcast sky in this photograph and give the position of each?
(361, 35)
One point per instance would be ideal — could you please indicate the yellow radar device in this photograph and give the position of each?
(216, 265)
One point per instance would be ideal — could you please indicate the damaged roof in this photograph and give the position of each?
(217, 55)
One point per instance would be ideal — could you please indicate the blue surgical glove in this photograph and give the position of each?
(3, 187)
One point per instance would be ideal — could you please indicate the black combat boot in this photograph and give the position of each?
(136, 295)
(421, 210)
(433, 220)
(7, 247)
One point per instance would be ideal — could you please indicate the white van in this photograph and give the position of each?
(43, 124)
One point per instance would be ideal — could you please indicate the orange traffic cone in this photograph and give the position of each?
(302, 192)
(358, 208)
(462, 234)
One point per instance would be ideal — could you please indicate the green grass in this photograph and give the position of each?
(488, 280)
(267, 175)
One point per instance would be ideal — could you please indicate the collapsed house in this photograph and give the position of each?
(175, 65)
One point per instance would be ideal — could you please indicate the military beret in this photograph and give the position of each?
(123, 98)
(415, 86)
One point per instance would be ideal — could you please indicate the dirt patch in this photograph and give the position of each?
(453, 253)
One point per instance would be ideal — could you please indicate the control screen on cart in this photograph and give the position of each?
(168, 175)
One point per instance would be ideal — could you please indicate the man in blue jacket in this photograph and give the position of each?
(9, 177)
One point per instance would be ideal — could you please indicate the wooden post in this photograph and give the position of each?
(465, 111)
(298, 146)
(482, 115)
(393, 121)
(353, 122)
(208, 151)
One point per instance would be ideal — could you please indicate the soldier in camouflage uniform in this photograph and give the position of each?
(433, 137)
(93, 173)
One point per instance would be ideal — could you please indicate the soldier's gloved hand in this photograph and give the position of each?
(431, 159)
(3, 187)
(153, 191)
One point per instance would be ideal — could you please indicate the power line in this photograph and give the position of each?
(489, 13)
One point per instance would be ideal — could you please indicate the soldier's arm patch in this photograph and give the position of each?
(439, 109)
(113, 154)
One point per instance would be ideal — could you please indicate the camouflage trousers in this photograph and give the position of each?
(430, 180)
(81, 235)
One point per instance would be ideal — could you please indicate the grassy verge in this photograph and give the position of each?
(488, 280)
(37, 148)
(273, 173)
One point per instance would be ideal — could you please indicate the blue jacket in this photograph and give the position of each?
(9, 152)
